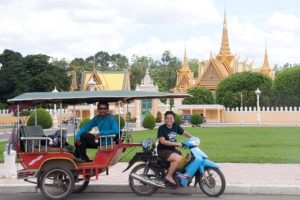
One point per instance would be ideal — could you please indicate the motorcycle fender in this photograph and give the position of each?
(207, 163)
(137, 157)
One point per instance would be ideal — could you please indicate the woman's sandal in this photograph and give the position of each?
(170, 184)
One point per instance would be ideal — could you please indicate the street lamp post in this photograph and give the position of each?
(241, 96)
(55, 122)
(92, 84)
(241, 109)
(257, 92)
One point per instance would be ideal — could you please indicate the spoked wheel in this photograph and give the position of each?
(212, 182)
(137, 186)
(57, 183)
(81, 184)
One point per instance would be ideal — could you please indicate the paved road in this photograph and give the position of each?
(128, 196)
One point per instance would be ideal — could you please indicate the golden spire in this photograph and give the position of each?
(266, 60)
(225, 50)
(265, 69)
(185, 66)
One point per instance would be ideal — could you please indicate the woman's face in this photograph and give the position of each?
(169, 120)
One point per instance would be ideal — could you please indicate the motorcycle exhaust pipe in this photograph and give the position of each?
(146, 181)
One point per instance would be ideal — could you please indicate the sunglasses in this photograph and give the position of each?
(102, 108)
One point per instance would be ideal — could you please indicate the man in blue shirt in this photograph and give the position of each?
(107, 125)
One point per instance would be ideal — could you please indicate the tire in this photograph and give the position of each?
(57, 183)
(138, 189)
(81, 186)
(207, 182)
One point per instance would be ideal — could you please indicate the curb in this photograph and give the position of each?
(123, 188)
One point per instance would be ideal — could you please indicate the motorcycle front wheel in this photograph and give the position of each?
(139, 188)
(212, 182)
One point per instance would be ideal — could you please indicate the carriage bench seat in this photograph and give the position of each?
(32, 138)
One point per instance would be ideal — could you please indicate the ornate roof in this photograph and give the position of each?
(106, 80)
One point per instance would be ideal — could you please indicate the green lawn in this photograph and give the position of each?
(235, 144)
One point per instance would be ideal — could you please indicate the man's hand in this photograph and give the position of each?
(97, 136)
(78, 142)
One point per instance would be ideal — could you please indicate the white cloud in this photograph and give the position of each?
(197, 47)
(284, 21)
(68, 28)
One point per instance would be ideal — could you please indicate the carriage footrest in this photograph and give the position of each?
(27, 174)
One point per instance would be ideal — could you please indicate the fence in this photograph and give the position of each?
(274, 115)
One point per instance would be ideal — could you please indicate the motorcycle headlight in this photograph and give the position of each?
(195, 142)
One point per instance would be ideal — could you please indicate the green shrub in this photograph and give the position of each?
(196, 119)
(230, 89)
(158, 117)
(43, 118)
(286, 87)
(128, 116)
(122, 121)
(83, 122)
(178, 119)
(133, 120)
(149, 121)
(3, 105)
(200, 96)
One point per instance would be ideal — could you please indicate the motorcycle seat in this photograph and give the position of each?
(163, 163)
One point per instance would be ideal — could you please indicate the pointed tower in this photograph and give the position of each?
(74, 85)
(185, 77)
(224, 54)
(266, 69)
(185, 66)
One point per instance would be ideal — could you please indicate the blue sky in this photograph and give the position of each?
(68, 28)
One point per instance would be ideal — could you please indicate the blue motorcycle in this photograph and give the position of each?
(146, 178)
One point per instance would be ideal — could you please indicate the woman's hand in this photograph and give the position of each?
(178, 144)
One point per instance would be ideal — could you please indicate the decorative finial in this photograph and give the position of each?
(55, 90)
(185, 66)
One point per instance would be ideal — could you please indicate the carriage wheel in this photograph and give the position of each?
(57, 183)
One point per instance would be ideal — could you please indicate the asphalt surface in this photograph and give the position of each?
(126, 196)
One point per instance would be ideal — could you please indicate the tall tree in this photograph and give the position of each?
(165, 73)
(118, 62)
(13, 76)
(245, 83)
(138, 69)
(102, 59)
(29, 74)
(61, 63)
(286, 87)
(194, 66)
(199, 96)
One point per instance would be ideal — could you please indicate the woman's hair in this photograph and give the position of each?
(170, 113)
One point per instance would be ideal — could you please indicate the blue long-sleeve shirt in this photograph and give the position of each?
(107, 125)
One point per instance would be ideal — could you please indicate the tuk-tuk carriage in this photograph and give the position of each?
(53, 169)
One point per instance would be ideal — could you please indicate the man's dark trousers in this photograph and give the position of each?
(87, 140)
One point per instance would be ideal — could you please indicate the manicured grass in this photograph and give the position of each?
(233, 144)
(241, 145)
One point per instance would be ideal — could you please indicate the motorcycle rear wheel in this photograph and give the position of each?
(212, 182)
(140, 188)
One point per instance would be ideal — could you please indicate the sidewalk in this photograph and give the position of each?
(240, 178)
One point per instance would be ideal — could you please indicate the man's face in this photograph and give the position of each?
(103, 109)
